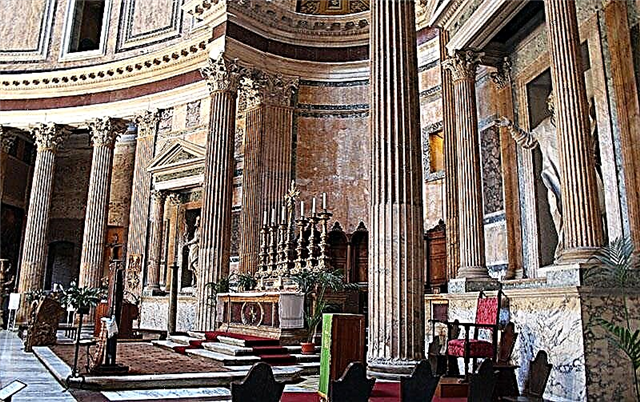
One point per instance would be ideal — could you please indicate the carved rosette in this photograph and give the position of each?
(6, 140)
(502, 77)
(48, 136)
(463, 64)
(105, 131)
(222, 75)
(147, 122)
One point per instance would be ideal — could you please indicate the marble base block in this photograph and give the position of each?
(562, 275)
(464, 285)
(394, 370)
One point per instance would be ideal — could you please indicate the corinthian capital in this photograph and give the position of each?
(502, 77)
(6, 140)
(104, 131)
(274, 89)
(222, 75)
(463, 64)
(49, 136)
(147, 122)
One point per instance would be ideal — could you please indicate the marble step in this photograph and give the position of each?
(196, 334)
(232, 341)
(227, 349)
(309, 368)
(227, 360)
(200, 394)
(306, 358)
(182, 339)
(166, 344)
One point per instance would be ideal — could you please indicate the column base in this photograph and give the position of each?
(577, 256)
(475, 272)
(464, 285)
(153, 291)
(391, 370)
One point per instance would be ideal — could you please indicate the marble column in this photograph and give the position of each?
(463, 67)
(104, 133)
(155, 242)
(147, 122)
(450, 163)
(223, 77)
(6, 143)
(581, 218)
(267, 157)
(48, 138)
(396, 249)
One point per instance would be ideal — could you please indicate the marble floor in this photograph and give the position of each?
(15, 364)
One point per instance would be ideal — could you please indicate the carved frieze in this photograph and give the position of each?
(105, 131)
(192, 118)
(49, 136)
(463, 64)
(222, 74)
(180, 174)
(166, 120)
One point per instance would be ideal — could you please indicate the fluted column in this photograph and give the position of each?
(267, 157)
(104, 133)
(155, 242)
(6, 142)
(223, 77)
(147, 123)
(463, 67)
(450, 163)
(581, 218)
(48, 138)
(396, 249)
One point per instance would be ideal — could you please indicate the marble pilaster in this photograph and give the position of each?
(6, 142)
(463, 67)
(147, 123)
(450, 163)
(104, 133)
(48, 138)
(223, 77)
(396, 250)
(158, 199)
(581, 218)
(267, 157)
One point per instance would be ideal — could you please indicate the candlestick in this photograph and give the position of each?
(282, 214)
(324, 201)
(265, 218)
(273, 216)
(313, 207)
(302, 209)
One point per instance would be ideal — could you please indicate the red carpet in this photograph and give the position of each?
(382, 392)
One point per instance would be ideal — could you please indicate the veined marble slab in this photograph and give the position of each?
(209, 394)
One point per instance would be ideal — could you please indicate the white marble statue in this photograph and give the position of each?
(194, 250)
(544, 135)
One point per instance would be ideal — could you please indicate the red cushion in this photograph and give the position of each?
(487, 310)
(477, 348)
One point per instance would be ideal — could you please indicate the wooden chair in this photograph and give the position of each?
(487, 318)
(483, 383)
(539, 371)
(421, 386)
(353, 386)
(258, 386)
(507, 384)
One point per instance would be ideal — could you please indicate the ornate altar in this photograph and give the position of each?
(278, 315)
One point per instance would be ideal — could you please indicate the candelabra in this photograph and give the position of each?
(312, 260)
(273, 249)
(263, 257)
(300, 263)
(324, 261)
(282, 255)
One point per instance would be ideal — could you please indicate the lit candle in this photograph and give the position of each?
(302, 209)
(265, 218)
(273, 216)
(313, 207)
(282, 214)
(324, 201)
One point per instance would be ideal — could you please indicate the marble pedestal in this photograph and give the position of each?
(463, 285)
(562, 274)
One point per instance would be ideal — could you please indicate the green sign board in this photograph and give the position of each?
(325, 356)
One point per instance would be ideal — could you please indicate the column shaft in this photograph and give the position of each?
(155, 242)
(470, 216)
(582, 224)
(396, 250)
(103, 135)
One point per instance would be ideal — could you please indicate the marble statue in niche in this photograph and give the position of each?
(544, 136)
(193, 247)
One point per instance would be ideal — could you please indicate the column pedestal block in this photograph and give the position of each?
(463, 285)
(391, 371)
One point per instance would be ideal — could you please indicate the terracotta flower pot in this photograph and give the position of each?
(308, 348)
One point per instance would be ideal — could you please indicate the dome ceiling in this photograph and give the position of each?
(331, 7)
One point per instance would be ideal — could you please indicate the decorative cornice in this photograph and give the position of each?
(105, 131)
(222, 74)
(463, 64)
(6, 140)
(502, 77)
(147, 123)
(49, 136)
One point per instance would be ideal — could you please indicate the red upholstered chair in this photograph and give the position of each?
(487, 316)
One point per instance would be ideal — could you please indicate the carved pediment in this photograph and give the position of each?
(179, 165)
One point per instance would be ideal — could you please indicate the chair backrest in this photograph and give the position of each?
(507, 342)
(353, 386)
(539, 372)
(421, 386)
(258, 386)
(482, 383)
(488, 309)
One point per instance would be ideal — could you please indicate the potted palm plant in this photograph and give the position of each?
(314, 286)
(82, 298)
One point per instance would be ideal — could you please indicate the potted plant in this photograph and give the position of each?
(82, 298)
(246, 282)
(314, 286)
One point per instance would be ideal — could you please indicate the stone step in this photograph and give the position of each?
(227, 349)
(200, 394)
(309, 368)
(196, 334)
(182, 339)
(306, 358)
(232, 341)
(227, 360)
(166, 344)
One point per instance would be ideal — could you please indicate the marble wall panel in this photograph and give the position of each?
(121, 182)
(151, 15)
(430, 112)
(154, 311)
(429, 77)
(29, 17)
(495, 241)
(434, 203)
(491, 162)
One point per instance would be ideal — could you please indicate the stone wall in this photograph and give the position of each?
(121, 181)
